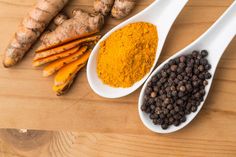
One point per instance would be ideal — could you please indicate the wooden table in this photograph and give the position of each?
(97, 127)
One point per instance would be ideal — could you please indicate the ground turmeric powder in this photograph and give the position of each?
(127, 55)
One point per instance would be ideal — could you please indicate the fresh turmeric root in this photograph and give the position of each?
(81, 25)
(66, 47)
(58, 64)
(103, 6)
(42, 61)
(60, 18)
(64, 87)
(122, 8)
(30, 29)
(67, 72)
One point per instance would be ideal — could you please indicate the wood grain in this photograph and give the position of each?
(97, 127)
(71, 144)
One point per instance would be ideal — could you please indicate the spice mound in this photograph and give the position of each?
(127, 55)
(177, 89)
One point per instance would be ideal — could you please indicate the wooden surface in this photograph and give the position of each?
(97, 127)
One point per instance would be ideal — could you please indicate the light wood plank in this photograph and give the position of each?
(70, 144)
(97, 127)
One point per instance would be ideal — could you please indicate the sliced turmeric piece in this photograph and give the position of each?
(58, 64)
(47, 46)
(60, 90)
(42, 61)
(65, 73)
(66, 47)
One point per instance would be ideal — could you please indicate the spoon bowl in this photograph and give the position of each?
(215, 40)
(162, 14)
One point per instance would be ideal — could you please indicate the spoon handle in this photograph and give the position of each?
(221, 33)
(163, 13)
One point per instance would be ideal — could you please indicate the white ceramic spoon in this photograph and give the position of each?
(215, 40)
(161, 13)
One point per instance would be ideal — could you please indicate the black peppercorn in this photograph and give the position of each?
(166, 66)
(176, 123)
(172, 61)
(193, 108)
(173, 67)
(207, 66)
(195, 54)
(170, 106)
(203, 61)
(205, 82)
(182, 59)
(177, 89)
(153, 94)
(148, 90)
(188, 70)
(207, 75)
(201, 68)
(183, 119)
(204, 53)
(164, 126)
(143, 107)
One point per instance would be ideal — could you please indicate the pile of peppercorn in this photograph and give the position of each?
(177, 89)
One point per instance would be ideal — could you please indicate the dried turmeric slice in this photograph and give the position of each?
(46, 46)
(42, 61)
(65, 73)
(58, 64)
(60, 90)
(66, 47)
(59, 49)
